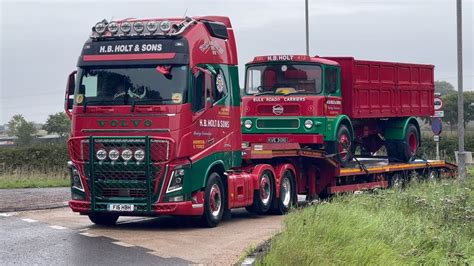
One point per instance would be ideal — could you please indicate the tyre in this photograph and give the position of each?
(405, 150)
(213, 201)
(433, 175)
(343, 148)
(287, 194)
(397, 180)
(106, 219)
(263, 197)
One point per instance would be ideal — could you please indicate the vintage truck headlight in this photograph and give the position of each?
(176, 181)
(248, 124)
(308, 124)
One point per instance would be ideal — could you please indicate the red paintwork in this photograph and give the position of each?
(297, 58)
(294, 105)
(356, 187)
(279, 171)
(126, 57)
(372, 89)
(175, 208)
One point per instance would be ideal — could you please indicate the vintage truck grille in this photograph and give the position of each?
(278, 123)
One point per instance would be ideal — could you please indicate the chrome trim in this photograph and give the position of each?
(199, 205)
(169, 183)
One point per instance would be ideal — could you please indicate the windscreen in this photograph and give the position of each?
(129, 85)
(283, 79)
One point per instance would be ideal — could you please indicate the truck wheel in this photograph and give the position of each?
(433, 175)
(287, 194)
(106, 219)
(263, 197)
(213, 201)
(405, 150)
(343, 148)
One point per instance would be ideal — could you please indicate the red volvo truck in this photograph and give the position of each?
(156, 130)
(337, 104)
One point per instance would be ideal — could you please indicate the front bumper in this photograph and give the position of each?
(172, 208)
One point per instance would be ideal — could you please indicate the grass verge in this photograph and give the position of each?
(34, 181)
(427, 223)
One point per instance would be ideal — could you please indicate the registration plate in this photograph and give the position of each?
(277, 140)
(120, 207)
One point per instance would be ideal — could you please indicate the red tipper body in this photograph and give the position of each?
(372, 89)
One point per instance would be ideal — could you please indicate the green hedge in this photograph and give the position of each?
(39, 158)
(447, 145)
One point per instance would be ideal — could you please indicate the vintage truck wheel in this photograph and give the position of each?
(106, 219)
(263, 196)
(405, 150)
(343, 148)
(213, 201)
(287, 194)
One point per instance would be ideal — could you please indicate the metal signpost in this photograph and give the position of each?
(436, 124)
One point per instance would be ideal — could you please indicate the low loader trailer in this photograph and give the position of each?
(156, 130)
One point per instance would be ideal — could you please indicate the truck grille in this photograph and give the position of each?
(118, 175)
(278, 123)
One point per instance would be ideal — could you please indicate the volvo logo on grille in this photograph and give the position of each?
(277, 109)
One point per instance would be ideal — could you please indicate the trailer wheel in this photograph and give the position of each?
(343, 148)
(406, 149)
(287, 194)
(106, 219)
(397, 180)
(433, 175)
(263, 197)
(213, 201)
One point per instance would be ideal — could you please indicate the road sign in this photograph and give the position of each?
(436, 138)
(438, 103)
(436, 125)
(438, 114)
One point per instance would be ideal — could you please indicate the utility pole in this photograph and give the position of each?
(307, 27)
(461, 154)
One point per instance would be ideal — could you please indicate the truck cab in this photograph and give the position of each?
(295, 100)
(154, 105)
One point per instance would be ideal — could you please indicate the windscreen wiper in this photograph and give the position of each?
(84, 107)
(264, 92)
(147, 101)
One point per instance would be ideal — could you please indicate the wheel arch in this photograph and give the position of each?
(279, 171)
(396, 128)
(344, 120)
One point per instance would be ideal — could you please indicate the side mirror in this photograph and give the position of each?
(69, 95)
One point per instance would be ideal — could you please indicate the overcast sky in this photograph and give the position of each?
(40, 41)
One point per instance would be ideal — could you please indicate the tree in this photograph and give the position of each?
(444, 87)
(58, 123)
(451, 109)
(24, 130)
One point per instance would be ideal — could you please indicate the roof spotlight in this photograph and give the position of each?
(113, 27)
(100, 27)
(152, 26)
(126, 27)
(165, 25)
(138, 27)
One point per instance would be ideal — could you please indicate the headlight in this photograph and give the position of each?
(127, 154)
(100, 27)
(165, 26)
(176, 181)
(248, 124)
(139, 155)
(152, 26)
(113, 27)
(76, 179)
(138, 27)
(126, 27)
(101, 154)
(114, 154)
(308, 124)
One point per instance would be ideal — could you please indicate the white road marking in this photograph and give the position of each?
(123, 244)
(58, 227)
(7, 214)
(88, 234)
(29, 220)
